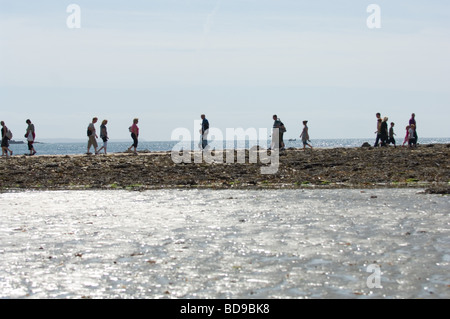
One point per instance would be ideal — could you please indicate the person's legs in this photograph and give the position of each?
(89, 145)
(377, 140)
(135, 142)
(5, 147)
(94, 143)
(30, 147)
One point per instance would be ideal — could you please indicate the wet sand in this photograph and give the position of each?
(427, 166)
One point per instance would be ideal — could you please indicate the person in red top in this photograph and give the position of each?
(134, 129)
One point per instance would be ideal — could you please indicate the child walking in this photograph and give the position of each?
(391, 138)
(305, 136)
(406, 136)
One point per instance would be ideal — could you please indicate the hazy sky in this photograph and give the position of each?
(237, 61)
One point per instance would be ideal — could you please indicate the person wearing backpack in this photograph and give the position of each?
(277, 134)
(6, 136)
(92, 136)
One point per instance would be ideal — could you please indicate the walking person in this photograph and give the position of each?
(391, 135)
(305, 136)
(384, 132)
(412, 121)
(204, 131)
(277, 133)
(6, 136)
(282, 131)
(412, 142)
(134, 129)
(406, 136)
(30, 136)
(103, 136)
(378, 131)
(92, 136)
(275, 144)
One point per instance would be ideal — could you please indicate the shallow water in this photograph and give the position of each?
(225, 244)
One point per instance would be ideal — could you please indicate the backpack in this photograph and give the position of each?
(8, 134)
(89, 132)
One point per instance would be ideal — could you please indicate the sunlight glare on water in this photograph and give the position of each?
(223, 244)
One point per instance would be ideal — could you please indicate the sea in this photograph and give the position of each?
(73, 148)
(224, 244)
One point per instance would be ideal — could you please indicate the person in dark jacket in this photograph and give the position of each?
(204, 131)
(384, 135)
(5, 140)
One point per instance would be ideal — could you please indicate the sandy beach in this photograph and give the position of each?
(427, 166)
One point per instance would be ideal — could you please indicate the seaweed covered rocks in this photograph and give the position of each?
(365, 167)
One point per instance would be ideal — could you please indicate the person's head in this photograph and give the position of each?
(94, 120)
(378, 115)
(2, 123)
(28, 121)
(275, 117)
(407, 127)
(392, 124)
(104, 122)
(413, 115)
(305, 122)
(135, 121)
(385, 119)
(202, 116)
(413, 126)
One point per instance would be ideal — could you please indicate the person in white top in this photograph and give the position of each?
(92, 135)
(412, 136)
(31, 136)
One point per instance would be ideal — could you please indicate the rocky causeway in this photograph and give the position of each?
(426, 166)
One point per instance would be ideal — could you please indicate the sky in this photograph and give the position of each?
(237, 61)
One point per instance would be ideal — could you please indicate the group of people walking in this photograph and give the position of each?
(92, 136)
(7, 135)
(385, 136)
(134, 130)
(278, 132)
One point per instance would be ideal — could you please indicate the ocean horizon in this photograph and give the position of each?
(78, 147)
